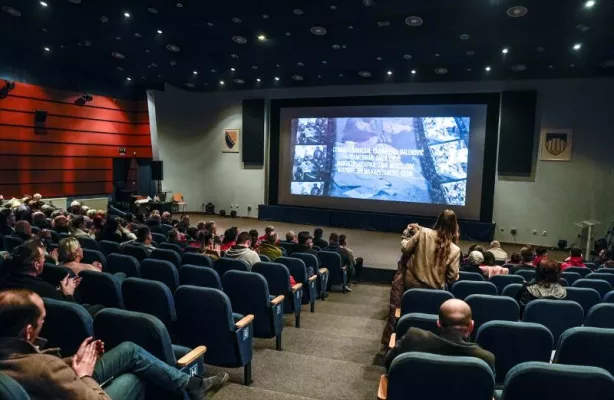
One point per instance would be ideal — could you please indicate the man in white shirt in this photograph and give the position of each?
(497, 251)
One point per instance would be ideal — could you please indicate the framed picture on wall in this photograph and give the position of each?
(230, 142)
(555, 144)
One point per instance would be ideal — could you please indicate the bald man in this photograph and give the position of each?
(497, 251)
(455, 326)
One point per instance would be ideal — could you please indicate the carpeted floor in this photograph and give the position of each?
(333, 355)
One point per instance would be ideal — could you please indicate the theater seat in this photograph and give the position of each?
(167, 255)
(196, 275)
(11, 242)
(570, 277)
(337, 273)
(587, 346)
(158, 238)
(123, 263)
(511, 290)
(425, 301)
(586, 297)
(135, 251)
(10, 389)
(171, 246)
(150, 297)
(601, 286)
(66, 326)
(311, 261)
(427, 322)
(91, 256)
(298, 270)
(100, 288)
(88, 243)
(485, 308)
(278, 279)
(501, 281)
(600, 316)
(580, 270)
(55, 273)
(107, 247)
(608, 277)
(197, 259)
(469, 276)
(463, 289)
(161, 271)
(223, 265)
(556, 315)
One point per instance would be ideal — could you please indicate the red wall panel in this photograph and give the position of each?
(74, 154)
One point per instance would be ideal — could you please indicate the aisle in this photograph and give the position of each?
(331, 356)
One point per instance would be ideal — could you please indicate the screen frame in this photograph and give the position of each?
(491, 100)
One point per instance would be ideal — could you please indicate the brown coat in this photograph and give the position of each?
(43, 374)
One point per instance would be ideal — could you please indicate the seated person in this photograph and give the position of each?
(455, 326)
(545, 286)
(75, 208)
(267, 231)
(70, 255)
(526, 262)
(154, 219)
(575, 258)
(44, 375)
(355, 263)
(40, 220)
(77, 227)
(334, 246)
(474, 260)
(206, 245)
(541, 252)
(166, 218)
(269, 247)
(111, 232)
(253, 239)
(489, 266)
(242, 251)
(291, 237)
(497, 251)
(7, 222)
(23, 230)
(175, 237)
(60, 224)
(317, 238)
(212, 227)
(143, 239)
(515, 258)
(230, 238)
(605, 259)
(304, 245)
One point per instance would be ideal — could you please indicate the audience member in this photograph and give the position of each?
(474, 260)
(44, 375)
(154, 220)
(489, 266)
(184, 223)
(575, 258)
(515, 258)
(545, 286)
(143, 239)
(166, 218)
(211, 226)
(497, 251)
(70, 255)
(253, 239)
(23, 230)
(230, 238)
(476, 247)
(242, 251)
(111, 231)
(291, 237)
(304, 245)
(605, 259)
(175, 237)
(206, 244)
(39, 220)
(269, 247)
(489, 259)
(541, 253)
(526, 260)
(7, 222)
(317, 238)
(75, 208)
(354, 263)
(455, 325)
(430, 259)
(77, 227)
(267, 231)
(60, 224)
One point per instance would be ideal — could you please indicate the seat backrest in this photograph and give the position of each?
(115, 326)
(513, 343)
(107, 247)
(608, 277)
(425, 301)
(609, 297)
(310, 260)
(197, 259)
(470, 276)
(331, 261)
(64, 235)
(605, 270)
(172, 246)
(197, 275)
(511, 290)
(556, 315)
(277, 276)
(601, 286)
(527, 274)
(580, 270)
(135, 251)
(264, 258)
(167, 255)
(600, 316)
(570, 276)
(297, 268)
(542, 380)
(486, 308)
(249, 294)
(161, 271)
(100, 288)
(501, 281)
(55, 273)
(10, 242)
(288, 246)
(90, 256)
(158, 238)
(166, 229)
(586, 346)
(10, 389)
(427, 322)
(150, 297)
(462, 289)
(66, 326)
(416, 375)
(88, 243)
(223, 265)
(586, 297)
(123, 263)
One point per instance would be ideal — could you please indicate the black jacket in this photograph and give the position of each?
(301, 248)
(35, 284)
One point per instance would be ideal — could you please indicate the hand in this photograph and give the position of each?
(99, 344)
(84, 361)
(68, 285)
(54, 255)
(97, 264)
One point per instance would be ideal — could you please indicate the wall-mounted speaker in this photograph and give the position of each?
(40, 116)
(252, 136)
(157, 172)
(517, 133)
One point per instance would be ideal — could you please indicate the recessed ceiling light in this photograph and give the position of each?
(173, 48)
(42, 3)
(517, 11)
(261, 37)
(239, 39)
(487, 69)
(265, 16)
(441, 71)
(47, 49)
(577, 46)
(236, 20)
(367, 2)
(298, 11)
(389, 73)
(117, 55)
(350, 27)
(324, 62)
(300, 64)
(297, 77)
(75, 1)
(276, 78)
(382, 24)
(572, 65)
(318, 31)
(195, 72)
(551, 66)
(221, 82)
(210, 24)
(180, 5)
(379, 58)
(413, 72)
(235, 56)
(104, 19)
(127, 14)
(232, 69)
(413, 21)
(159, 31)
(189, 84)
(173, 63)
(214, 71)
(254, 67)
(152, 10)
(257, 79)
(505, 50)
(11, 11)
(333, 7)
(589, 4)
(540, 49)
(336, 47)
(119, 68)
(128, 78)
(239, 81)
(138, 35)
(407, 56)
(364, 74)
(519, 67)
(464, 36)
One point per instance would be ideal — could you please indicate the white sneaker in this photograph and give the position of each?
(347, 289)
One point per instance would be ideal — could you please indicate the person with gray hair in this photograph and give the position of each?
(497, 251)
(474, 260)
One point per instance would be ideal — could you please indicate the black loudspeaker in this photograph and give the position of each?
(517, 133)
(40, 117)
(120, 169)
(157, 173)
(252, 150)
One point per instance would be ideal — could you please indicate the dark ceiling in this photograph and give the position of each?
(306, 42)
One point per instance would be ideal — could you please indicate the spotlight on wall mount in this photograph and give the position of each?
(6, 88)
(86, 98)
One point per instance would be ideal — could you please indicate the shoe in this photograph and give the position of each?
(207, 385)
(347, 289)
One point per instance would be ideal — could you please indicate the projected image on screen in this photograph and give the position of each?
(415, 159)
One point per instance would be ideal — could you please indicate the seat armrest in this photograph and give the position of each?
(297, 287)
(191, 356)
(323, 270)
(393, 340)
(397, 313)
(382, 390)
(245, 321)
(313, 278)
(278, 299)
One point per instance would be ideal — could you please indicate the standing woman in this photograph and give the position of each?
(430, 260)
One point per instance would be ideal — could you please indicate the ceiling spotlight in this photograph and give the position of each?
(221, 82)
(389, 72)
(47, 49)
(505, 51)
(232, 69)
(577, 46)
(42, 3)
(589, 4)
(128, 78)
(257, 79)
(487, 69)
(159, 31)
(277, 78)
(261, 37)
(413, 72)
(127, 14)
(195, 72)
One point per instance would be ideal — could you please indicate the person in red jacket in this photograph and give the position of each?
(540, 254)
(574, 260)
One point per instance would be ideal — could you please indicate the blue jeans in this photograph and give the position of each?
(128, 358)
